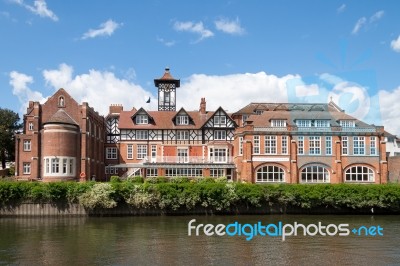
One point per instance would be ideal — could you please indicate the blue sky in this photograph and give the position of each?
(231, 52)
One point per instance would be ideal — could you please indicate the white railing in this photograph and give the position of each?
(317, 129)
(191, 159)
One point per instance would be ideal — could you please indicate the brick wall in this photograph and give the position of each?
(394, 169)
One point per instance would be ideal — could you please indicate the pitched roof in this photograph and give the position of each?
(167, 78)
(251, 108)
(264, 120)
(163, 120)
(61, 117)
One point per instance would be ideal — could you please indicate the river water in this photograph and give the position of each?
(164, 240)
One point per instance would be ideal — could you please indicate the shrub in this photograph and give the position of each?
(141, 196)
(156, 180)
(135, 179)
(179, 180)
(98, 196)
(115, 179)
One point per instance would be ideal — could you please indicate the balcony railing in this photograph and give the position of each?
(316, 129)
(190, 159)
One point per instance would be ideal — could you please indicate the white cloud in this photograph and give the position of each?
(361, 22)
(197, 28)
(232, 92)
(229, 26)
(165, 42)
(98, 88)
(20, 84)
(39, 8)
(307, 90)
(395, 44)
(389, 105)
(377, 16)
(342, 8)
(106, 29)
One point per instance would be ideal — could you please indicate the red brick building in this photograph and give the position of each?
(168, 142)
(307, 143)
(262, 142)
(61, 140)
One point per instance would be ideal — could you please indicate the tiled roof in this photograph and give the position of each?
(167, 75)
(264, 120)
(163, 120)
(61, 117)
(253, 107)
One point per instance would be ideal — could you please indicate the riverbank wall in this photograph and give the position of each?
(65, 210)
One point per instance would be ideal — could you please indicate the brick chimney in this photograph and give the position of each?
(203, 106)
(116, 108)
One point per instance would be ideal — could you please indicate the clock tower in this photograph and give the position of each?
(167, 91)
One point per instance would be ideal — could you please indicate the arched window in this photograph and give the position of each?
(359, 173)
(270, 173)
(314, 174)
(61, 101)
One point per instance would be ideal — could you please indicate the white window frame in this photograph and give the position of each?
(219, 134)
(353, 174)
(347, 123)
(270, 145)
(182, 120)
(300, 145)
(217, 172)
(142, 119)
(358, 145)
(256, 144)
(183, 155)
(27, 145)
(220, 120)
(141, 151)
(218, 155)
(142, 134)
(64, 166)
(322, 123)
(372, 146)
(26, 168)
(129, 151)
(274, 174)
(314, 145)
(111, 153)
(182, 135)
(328, 145)
(278, 123)
(314, 174)
(30, 126)
(303, 123)
(151, 172)
(345, 145)
(244, 118)
(284, 144)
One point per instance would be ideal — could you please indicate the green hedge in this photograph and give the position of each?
(185, 194)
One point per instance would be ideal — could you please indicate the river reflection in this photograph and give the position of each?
(164, 240)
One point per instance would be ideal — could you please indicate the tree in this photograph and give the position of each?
(9, 124)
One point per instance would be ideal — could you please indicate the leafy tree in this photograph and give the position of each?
(9, 124)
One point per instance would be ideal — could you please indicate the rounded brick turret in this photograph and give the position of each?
(60, 146)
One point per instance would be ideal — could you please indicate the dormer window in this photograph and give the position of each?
(182, 120)
(347, 123)
(219, 120)
(321, 123)
(142, 119)
(259, 112)
(278, 123)
(303, 123)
